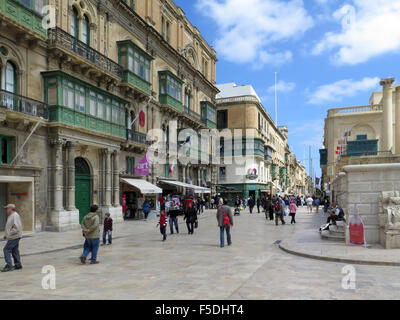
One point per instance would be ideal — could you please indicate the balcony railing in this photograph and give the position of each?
(192, 113)
(238, 99)
(67, 41)
(15, 102)
(351, 110)
(137, 137)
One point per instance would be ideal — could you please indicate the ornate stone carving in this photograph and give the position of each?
(389, 219)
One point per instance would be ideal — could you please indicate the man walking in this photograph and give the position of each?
(258, 205)
(91, 232)
(225, 222)
(13, 234)
(251, 204)
(279, 208)
(173, 213)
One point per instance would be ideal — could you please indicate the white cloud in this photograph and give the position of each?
(310, 133)
(343, 88)
(248, 30)
(282, 86)
(369, 28)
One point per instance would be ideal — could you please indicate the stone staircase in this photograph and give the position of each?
(335, 233)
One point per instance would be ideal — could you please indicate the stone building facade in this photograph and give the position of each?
(367, 134)
(240, 109)
(79, 96)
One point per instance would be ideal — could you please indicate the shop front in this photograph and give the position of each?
(135, 192)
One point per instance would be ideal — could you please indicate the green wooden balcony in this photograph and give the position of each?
(82, 120)
(136, 81)
(23, 15)
(168, 100)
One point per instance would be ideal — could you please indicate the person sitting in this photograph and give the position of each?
(335, 214)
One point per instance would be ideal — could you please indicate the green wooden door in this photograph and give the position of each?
(82, 187)
(82, 195)
(3, 200)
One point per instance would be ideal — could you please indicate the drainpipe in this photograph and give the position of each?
(397, 122)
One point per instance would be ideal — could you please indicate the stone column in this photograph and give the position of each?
(397, 122)
(71, 176)
(387, 119)
(116, 179)
(107, 154)
(58, 174)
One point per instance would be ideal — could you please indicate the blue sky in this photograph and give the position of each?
(328, 54)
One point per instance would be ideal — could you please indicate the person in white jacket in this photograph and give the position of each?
(13, 234)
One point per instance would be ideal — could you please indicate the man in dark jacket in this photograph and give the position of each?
(251, 204)
(191, 218)
(225, 222)
(258, 205)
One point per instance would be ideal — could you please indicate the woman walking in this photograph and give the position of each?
(293, 210)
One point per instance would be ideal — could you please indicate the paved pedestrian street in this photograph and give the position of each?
(140, 266)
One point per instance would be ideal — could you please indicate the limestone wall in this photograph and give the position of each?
(363, 185)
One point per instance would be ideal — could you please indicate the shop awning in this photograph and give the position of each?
(196, 189)
(144, 186)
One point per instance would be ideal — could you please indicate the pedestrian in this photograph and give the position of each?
(258, 205)
(146, 209)
(225, 223)
(317, 204)
(212, 203)
(293, 210)
(279, 209)
(190, 218)
(251, 204)
(326, 205)
(163, 224)
(13, 234)
(91, 232)
(173, 213)
(309, 202)
(107, 229)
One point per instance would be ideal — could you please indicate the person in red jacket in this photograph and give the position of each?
(163, 224)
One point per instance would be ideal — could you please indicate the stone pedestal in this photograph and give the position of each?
(61, 221)
(389, 219)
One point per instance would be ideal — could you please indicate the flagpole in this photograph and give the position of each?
(276, 99)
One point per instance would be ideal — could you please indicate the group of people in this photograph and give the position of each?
(188, 207)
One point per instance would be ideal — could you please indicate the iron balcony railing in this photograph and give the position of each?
(67, 41)
(15, 102)
(192, 113)
(137, 137)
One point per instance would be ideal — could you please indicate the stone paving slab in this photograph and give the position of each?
(308, 243)
(48, 242)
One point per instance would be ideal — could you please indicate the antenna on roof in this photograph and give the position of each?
(276, 99)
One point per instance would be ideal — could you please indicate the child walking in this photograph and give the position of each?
(108, 226)
(293, 210)
(163, 224)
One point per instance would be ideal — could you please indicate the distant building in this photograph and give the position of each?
(367, 134)
(267, 161)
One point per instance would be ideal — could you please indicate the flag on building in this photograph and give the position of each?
(171, 168)
(142, 169)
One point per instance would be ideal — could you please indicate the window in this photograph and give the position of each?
(222, 172)
(39, 4)
(84, 98)
(135, 60)
(5, 150)
(167, 30)
(74, 23)
(86, 30)
(171, 86)
(362, 137)
(130, 165)
(130, 3)
(187, 100)
(10, 79)
(222, 119)
(163, 27)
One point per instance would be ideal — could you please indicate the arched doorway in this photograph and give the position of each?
(82, 187)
